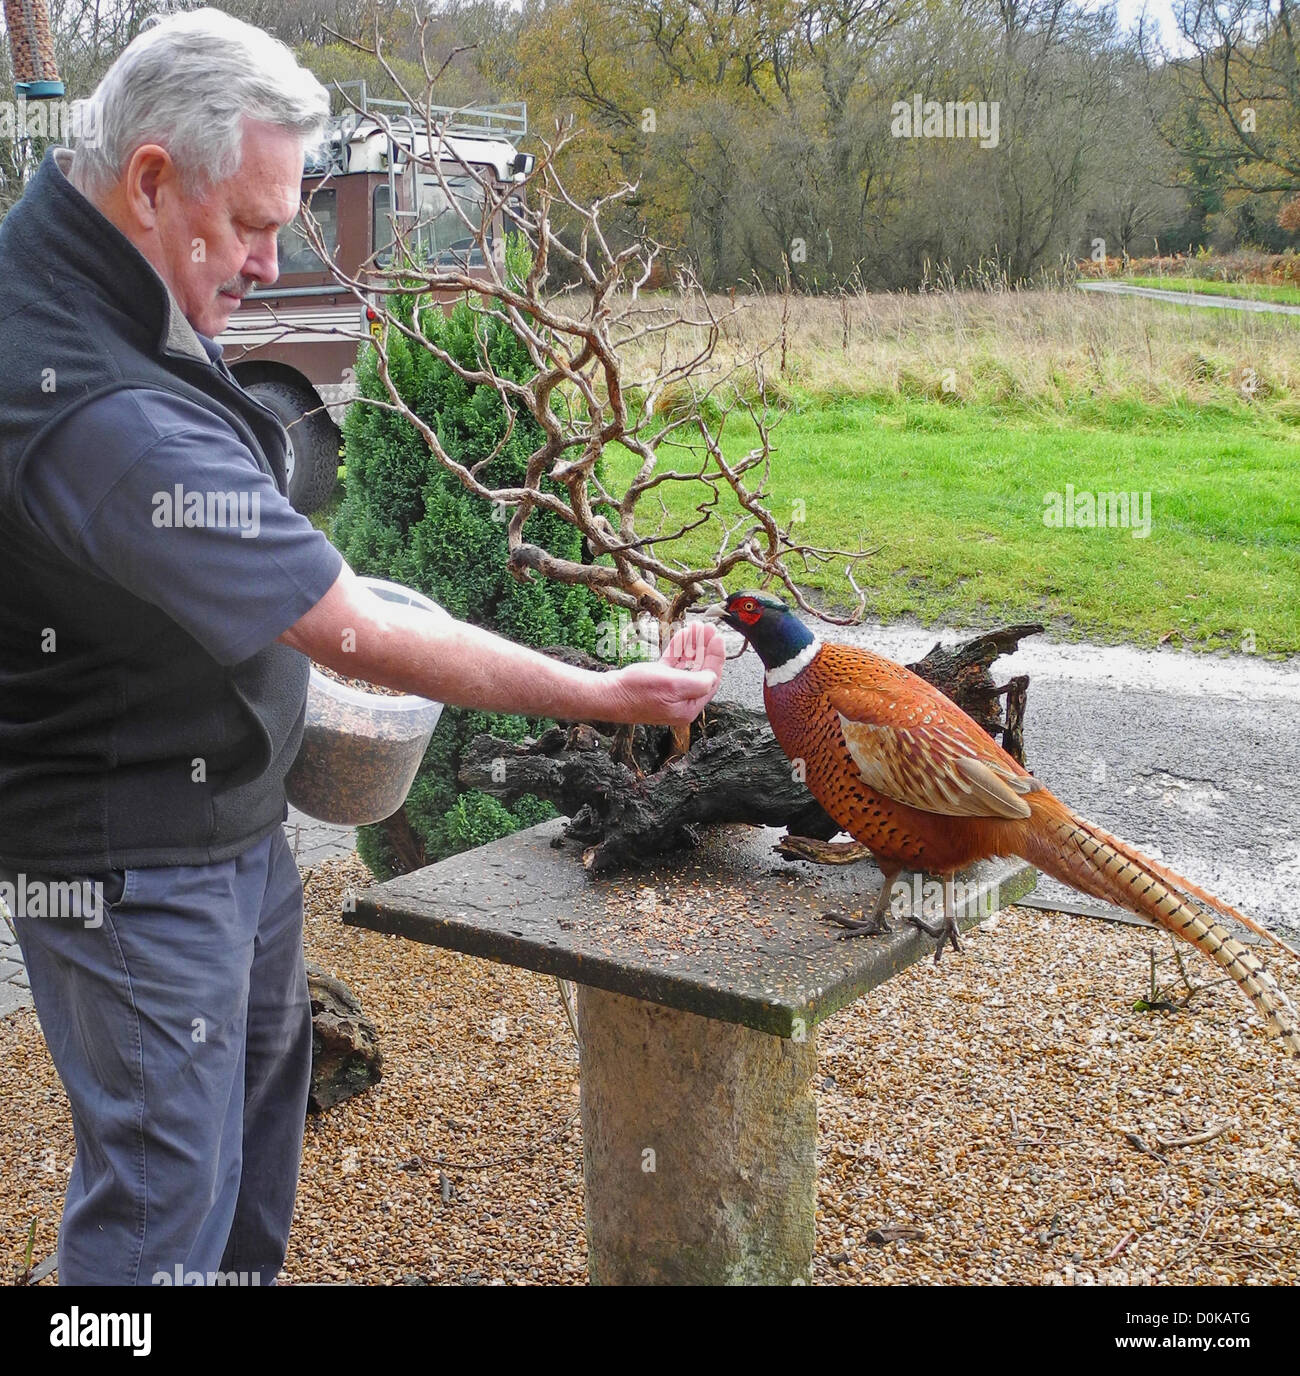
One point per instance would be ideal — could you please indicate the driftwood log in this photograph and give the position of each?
(628, 797)
(345, 1055)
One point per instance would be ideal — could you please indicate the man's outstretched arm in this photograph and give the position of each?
(361, 635)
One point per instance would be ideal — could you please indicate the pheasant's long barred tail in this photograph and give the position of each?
(1082, 855)
(1185, 887)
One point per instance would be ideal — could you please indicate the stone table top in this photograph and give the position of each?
(729, 930)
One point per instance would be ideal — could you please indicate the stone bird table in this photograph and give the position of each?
(700, 980)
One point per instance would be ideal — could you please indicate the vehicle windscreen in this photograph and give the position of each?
(445, 237)
(439, 233)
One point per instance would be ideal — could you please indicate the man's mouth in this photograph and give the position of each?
(236, 293)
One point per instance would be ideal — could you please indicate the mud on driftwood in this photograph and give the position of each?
(627, 798)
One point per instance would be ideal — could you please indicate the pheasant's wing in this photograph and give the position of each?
(931, 759)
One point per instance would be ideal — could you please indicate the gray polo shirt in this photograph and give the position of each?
(154, 493)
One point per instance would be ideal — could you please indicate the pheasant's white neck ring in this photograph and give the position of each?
(794, 666)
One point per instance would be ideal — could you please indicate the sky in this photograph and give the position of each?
(1130, 11)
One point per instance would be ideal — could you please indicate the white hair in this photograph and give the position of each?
(187, 84)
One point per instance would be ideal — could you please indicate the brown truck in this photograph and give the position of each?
(294, 345)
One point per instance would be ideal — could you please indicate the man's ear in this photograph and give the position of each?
(149, 170)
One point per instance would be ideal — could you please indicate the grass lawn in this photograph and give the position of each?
(954, 500)
(1247, 291)
(933, 426)
(324, 518)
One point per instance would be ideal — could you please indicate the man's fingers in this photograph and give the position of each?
(680, 653)
(692, 645)
(681, 684)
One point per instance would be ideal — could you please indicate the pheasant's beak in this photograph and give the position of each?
(715, 611)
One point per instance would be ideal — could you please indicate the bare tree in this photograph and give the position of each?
(1241, 80)
(671, 416)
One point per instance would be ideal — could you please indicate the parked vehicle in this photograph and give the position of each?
(293, 345)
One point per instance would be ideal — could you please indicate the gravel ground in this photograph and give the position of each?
(1003, 1118)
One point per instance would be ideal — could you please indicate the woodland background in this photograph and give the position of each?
(751, 126)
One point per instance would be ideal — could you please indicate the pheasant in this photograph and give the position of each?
(910, 776)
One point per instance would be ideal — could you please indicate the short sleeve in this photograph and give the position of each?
(152, 492)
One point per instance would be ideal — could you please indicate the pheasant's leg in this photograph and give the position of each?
(874, 924)
(945, 931)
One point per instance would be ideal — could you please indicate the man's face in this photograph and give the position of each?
(219, 247)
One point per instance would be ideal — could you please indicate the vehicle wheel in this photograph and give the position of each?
(313, 458)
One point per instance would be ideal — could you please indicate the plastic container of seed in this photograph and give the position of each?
(361, 749)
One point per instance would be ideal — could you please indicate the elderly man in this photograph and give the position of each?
(153, 676)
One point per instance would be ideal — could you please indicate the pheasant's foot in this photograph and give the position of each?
(941, 931)
(875, 925)
(947, 929)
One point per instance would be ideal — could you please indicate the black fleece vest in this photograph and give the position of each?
(98, 740)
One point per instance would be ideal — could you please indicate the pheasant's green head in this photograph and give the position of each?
(774, 631)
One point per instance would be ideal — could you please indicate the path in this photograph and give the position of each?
(1191, 298)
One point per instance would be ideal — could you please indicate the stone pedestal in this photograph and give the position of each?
(701, 980)
(699, 1147)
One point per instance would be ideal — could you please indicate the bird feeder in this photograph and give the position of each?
(36, 74)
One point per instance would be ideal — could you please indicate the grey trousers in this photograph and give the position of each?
(180, 1026)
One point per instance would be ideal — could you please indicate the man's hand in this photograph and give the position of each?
(674, 690)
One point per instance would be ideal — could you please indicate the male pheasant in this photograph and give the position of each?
(910, 776)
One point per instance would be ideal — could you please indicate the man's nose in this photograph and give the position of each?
(263, 262)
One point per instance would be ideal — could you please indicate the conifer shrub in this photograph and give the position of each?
(406, 518)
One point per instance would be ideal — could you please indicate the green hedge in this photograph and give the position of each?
(404, 517)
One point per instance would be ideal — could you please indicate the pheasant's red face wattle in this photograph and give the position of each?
(748, 611)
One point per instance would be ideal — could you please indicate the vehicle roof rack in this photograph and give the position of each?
(508, 120)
